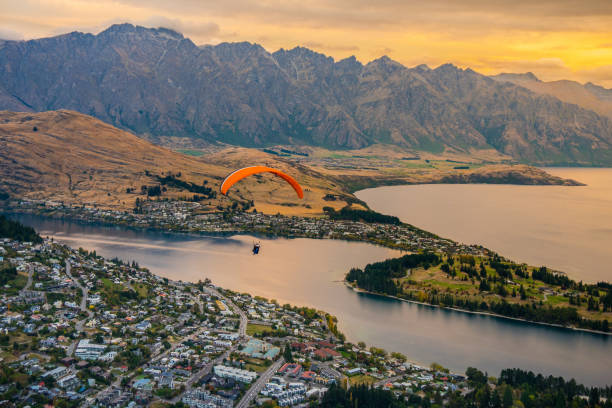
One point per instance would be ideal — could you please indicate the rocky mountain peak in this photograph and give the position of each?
(156, 82)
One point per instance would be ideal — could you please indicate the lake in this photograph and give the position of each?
(308, 272)
(565, 228)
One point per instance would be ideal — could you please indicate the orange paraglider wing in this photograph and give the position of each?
(238, 175)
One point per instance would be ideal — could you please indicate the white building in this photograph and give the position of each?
(89, 351)
(237, 374)
(94, 299)
(68, 381)
(108, 357)
(56, 372)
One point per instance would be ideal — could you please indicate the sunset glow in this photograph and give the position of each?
(553, 39)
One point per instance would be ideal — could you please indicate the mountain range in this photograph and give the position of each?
(157, 83)
(589, 96)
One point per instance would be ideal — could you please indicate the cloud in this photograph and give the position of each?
(475, 15)
(549, 37)
(8, 34)
(200, 30)
(600, 75)
(526, 65)
(549, 69)
(330, 47)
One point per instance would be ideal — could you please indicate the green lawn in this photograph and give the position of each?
(16, 285)
(141, 289)
(458, 286)
(362, 379)
(556, 299)
(253, 329)
(256, 365)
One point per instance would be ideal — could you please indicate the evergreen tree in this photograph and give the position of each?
(287, 354)
(507, 399)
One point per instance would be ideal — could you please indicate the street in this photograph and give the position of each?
(243, 317)
(80, 325)
(258, 385)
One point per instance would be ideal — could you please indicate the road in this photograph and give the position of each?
(243, 317)
(28, 284)
(208, 367)
(192, 336)
(259, 384)
(203, 372)
(115, 384)
(80, 325)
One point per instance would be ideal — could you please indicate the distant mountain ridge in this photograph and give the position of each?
(158, 83)
(589, 96)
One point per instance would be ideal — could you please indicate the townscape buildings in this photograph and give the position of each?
(89, 331)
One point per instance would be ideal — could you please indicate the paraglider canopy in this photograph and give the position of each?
(238, 175)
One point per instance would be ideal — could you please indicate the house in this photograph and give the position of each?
(166, 380)
(259, 349)
(308, 375)
(94, 299)
(89, 351)
(326, 354)
(200, 398)
(237, 374)
(108, 357)
(144, 384)
(68, 382)
(354, 371)
(293, 370)
(56, 372)
(143, 326)
(67, 361)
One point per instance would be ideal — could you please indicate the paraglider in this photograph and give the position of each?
(238, 175)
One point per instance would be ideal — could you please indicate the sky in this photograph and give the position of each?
(561, 39)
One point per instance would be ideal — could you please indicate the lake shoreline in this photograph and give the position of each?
(367, 292)
(287, 271)
(562, 228)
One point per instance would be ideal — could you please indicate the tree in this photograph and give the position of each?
(287, 354)
(484, 286)
(483, 396)
(475, 376)
(594, 397)
(496, 400)
(398, 356)
(379, 352)
(438, 367)
(507, 399)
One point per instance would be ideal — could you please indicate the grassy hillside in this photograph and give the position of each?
(65, 156)
(71, 157)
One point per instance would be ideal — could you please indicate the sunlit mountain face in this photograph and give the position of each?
(157, 82)
(555, 40)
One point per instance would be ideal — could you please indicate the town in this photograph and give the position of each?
(184, 216)
(81, 330)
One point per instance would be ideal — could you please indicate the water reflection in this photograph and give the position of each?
(567, 228)
(308, 272)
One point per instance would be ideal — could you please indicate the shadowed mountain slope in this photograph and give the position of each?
(158, 84)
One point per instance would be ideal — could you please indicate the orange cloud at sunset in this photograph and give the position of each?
(553, 39)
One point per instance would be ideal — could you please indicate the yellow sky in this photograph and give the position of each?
(554, 39)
